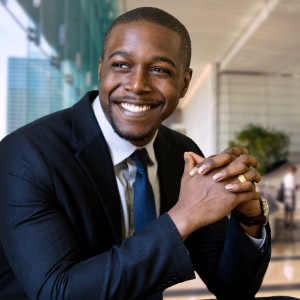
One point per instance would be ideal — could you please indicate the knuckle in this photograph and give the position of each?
(244, 158)
(226, 173)
(210, 162)
(199, 165)
(227, 157)
(252, 174)
(229, 150)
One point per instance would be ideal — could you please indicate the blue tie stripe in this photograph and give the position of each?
(143, 202)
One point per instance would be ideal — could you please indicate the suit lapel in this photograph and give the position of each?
(95, 159)
(170, 170)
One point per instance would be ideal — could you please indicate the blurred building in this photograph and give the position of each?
(34, 90)
(64, 46)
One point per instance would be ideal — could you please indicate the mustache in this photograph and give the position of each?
(148, 100)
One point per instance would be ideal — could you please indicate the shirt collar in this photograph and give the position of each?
(120, 149)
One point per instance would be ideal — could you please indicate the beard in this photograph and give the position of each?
(128, 136)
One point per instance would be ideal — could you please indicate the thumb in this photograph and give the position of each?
(197, 158)
(189, 162)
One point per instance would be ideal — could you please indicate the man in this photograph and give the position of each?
(71, 225)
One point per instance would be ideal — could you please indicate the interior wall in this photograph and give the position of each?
(199, 115)
(267, 100)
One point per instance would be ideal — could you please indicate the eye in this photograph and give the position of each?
(160, 70)
(120, 65)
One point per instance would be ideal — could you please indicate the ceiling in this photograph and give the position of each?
(274, 47)
(215, 27)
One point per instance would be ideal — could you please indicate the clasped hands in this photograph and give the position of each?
(210, 189)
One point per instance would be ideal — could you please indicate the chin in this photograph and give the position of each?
(132, 137)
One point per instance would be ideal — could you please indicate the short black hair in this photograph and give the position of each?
(156, 16)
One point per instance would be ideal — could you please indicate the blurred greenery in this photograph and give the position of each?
(270, 147)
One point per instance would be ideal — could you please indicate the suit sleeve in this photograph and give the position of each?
(226, 259)
(44, 253)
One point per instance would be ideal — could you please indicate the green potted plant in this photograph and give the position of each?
(269, 146)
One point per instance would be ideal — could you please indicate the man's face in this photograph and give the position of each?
(141, 79)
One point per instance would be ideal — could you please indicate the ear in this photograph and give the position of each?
(186, 82)
(99, 68)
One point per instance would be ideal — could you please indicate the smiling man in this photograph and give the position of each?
(142, 77)
(100, 201)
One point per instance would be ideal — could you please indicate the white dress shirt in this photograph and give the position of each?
(125, 171)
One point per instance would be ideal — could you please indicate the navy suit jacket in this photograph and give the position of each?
(60, 221)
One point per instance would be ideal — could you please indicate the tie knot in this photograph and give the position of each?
(140, 159)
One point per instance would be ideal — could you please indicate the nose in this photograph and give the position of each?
(138, 82)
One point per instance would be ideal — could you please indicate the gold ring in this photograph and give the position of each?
(242, 178)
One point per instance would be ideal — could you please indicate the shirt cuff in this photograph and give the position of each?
(259, 242)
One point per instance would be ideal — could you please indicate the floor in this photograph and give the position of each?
(283, 274)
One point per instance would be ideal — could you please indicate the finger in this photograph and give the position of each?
(231, 171)
(237, 151)
(214, 161)
(252, 175)
(239, 166)
(197, 158)
(247, 160)
(188, 162)
(194, 171)
(246, 196)
(239, 187)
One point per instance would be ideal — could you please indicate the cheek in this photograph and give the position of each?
(171, 88)
(172, 96)
(108, 83)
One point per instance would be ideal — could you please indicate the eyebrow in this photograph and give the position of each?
(155, 57)
(122, 53)
(165, 59)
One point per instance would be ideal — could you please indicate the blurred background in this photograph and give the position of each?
(245, 89)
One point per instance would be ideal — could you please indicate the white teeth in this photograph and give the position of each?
(135, 108)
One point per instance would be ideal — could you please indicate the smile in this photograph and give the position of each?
(135, 108)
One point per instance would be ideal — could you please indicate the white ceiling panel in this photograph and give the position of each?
(275, 46)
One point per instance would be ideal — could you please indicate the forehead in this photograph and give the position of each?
(144, 37)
